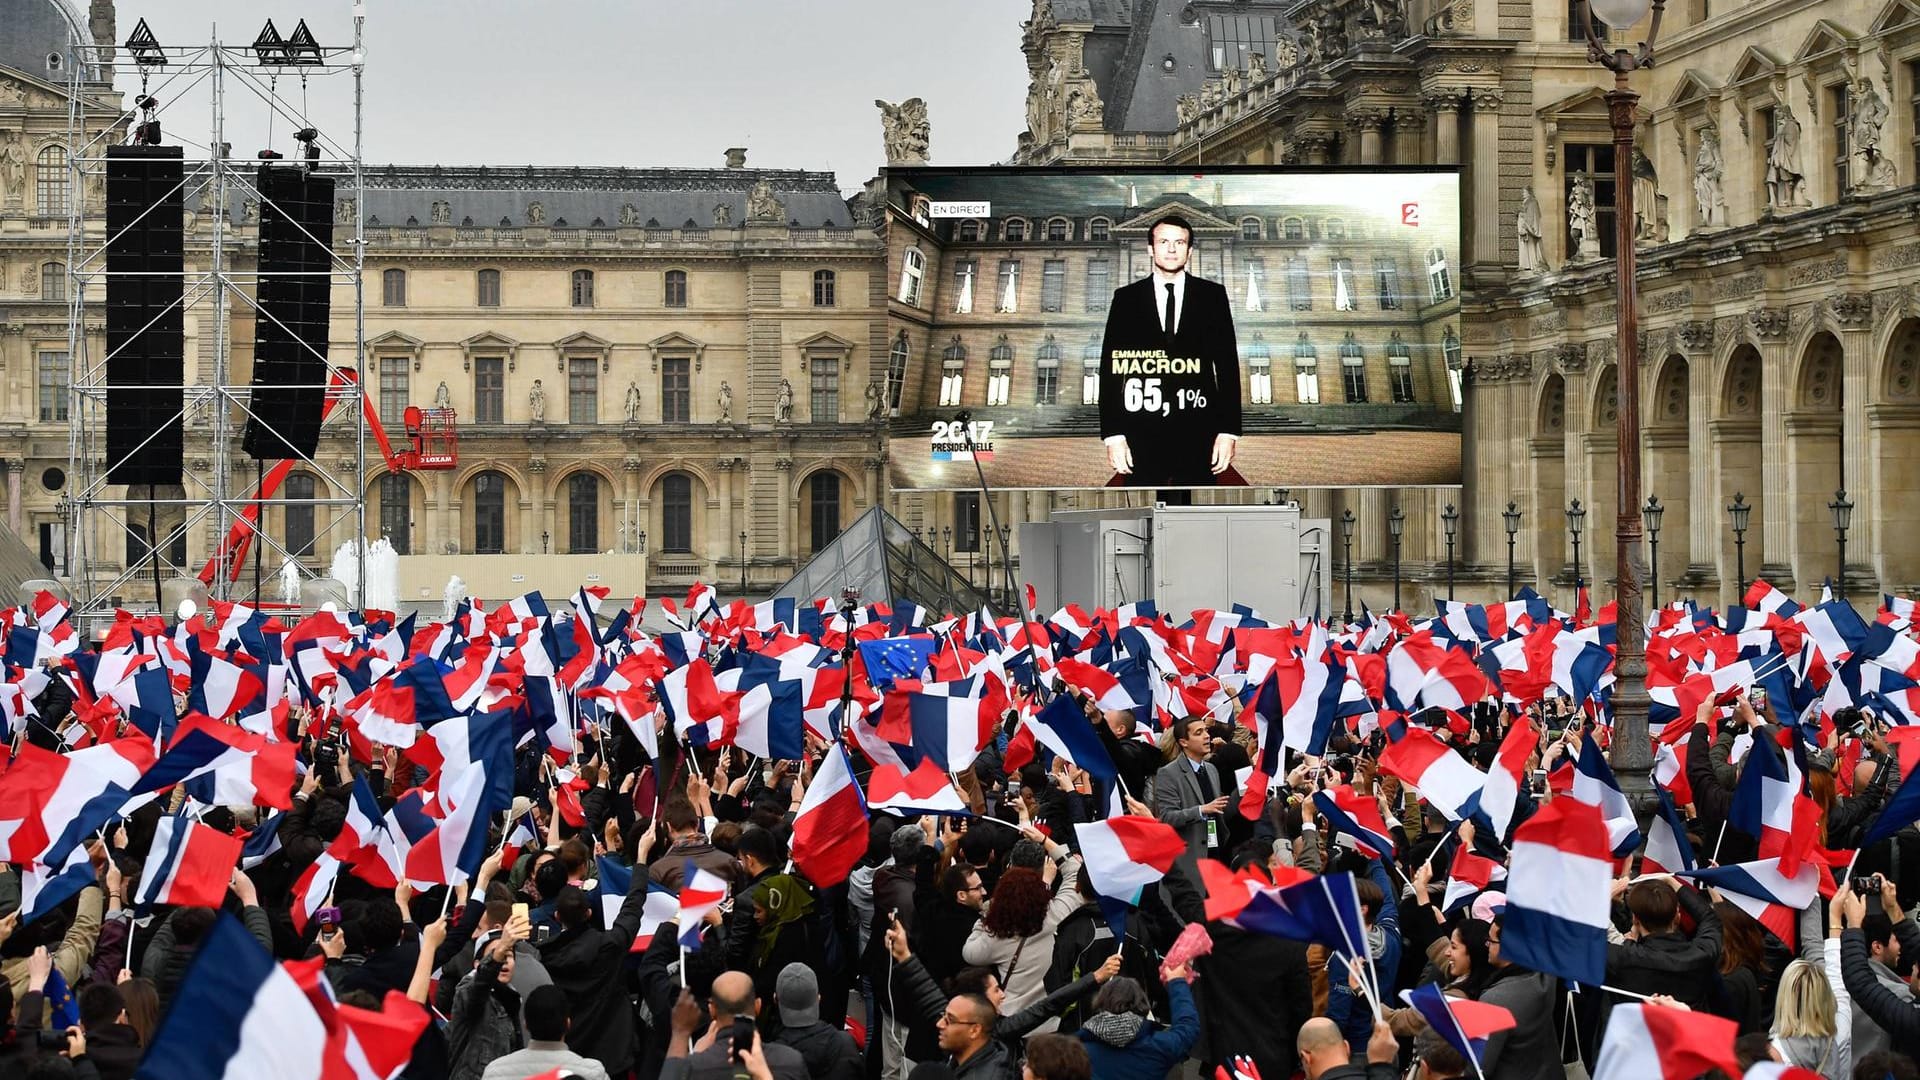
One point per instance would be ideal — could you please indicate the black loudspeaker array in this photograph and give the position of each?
(144, 316)
(290, 329)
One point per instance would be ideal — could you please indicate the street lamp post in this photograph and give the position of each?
(1631, 752)
(1652, 513)
(946, 543)
(1739, 510)
(1512, 514)
(1450, 519)
(1347, 521)
(1576, 518)
(1396, 524)
(1006, 559)
(743, 563)
(1842, 509)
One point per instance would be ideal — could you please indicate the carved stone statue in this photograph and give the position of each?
(1084, 108)
(442, 397)
(722, 215)
(726, 402)
(1874, 171)
(1646, 200)
(249, 211)
(1256, 67)
(536, 213)
(783, 404)
(537, 403)
(629, 215)
(1231, 83)
(442, 212)
(1580, 219)
(761, 203)
(13, 167)
(1185, 108)
(344, 210)
(1286, 53)
(905, 131)
(873, 396)
(633, 403)
(1709, 207)
(1786, 182)
(1533, 258)
(1387, 18)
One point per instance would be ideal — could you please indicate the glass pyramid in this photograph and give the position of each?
(881, 557)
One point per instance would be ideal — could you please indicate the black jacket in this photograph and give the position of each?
(920, 1002)
(829, 1051)
(1687, 968)
(115, 1051)
(1148, 391)
(940, 929)
(590, 965)
(1899, 1019)
(1253, 993)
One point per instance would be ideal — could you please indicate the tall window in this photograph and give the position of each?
(1575, 12)
(1008, 290)
(1439, 281)
(396, 512)
(823, 500)
(583, 390)
(1016, 229)
(583, 513)
(676, 389)
(489, 389)
(1842, 113)
(1293, 229)
(138, 546)
(1059, 230)
(489, 514)
(53, 546)
(913, 268)
(999, 373)
(393, 288)
(966, 276)
(1299, 285)
(1913, 113)
(896, 372)
(1595, 161)
(676, 513)
(1450, 350)
(953, 372)
(55, 377)
(966, 521)
(969, 231)
(1386, 284)
(488, 288)
(299, 535)
(1250, 228)
(1306, 372)
(583, 288)
(1343, 291)
(676, 288)
(395, 389)
(1090, 372)
(52, 183)
(53, 281)
(1231, 37)
(1053, 284)
(1099, 284)
(1046, 376)
(1336, 229)
(824, 403)
(1098, 230)
(1353, 370)
(1400, 370)
(1256, 272)
(1259, 372)
(823, 288)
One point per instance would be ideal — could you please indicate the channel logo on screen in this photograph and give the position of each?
(954, 440)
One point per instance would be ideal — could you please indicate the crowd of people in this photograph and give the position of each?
(972, 933)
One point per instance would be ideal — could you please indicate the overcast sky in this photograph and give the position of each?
(630, 82)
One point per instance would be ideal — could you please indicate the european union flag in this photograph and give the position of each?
(893, 658)
(63, 1010)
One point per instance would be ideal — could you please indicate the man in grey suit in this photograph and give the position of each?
(1187, 793)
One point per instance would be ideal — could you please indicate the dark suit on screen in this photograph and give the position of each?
(1173, 448)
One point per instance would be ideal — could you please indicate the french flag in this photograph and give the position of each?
(1469, 876)
(1466, 1025)
(50, 803)
(830, 831)
(43, 888)
(189, 865)
(360, 837)
(1558, 893)
(1593, 783)
(311, 889)
(1101, 684)
(202, 746)
(948, 728)
(237, 1013)
(1768, 600)
(1654, 1042)
(455, 849)
(1063, 727)
(1754, 885)
(1500, 795)
(772, 709)
(610, 892)
(702, 891)
(701, 713)
(1442, 777)
(1353, 814)
(925, 790)
(1765, 796)
(1668, 849)
(1126, 854)
(1309, 691)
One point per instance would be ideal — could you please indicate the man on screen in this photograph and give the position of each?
(1170, 372)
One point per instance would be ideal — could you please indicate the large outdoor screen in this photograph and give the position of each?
(1315, 327)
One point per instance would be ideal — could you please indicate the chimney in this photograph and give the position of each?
(737, 157)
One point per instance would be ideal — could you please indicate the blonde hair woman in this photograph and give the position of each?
(1812, 1026)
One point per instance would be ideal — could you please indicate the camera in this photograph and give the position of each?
(326, 755)
(1850, 721)
(51, 1039)
(1867, 886)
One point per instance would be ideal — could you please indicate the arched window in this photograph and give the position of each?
(896, 372)
(913, 269)
(1439, 281)
(1099, 229)
(968, 232)
(1353, 370)
(953, 372)
(1293, 229)
(1250, 228)
(138, 545)
(396, 512)
(1450, 352)
(823, 288)
(999, 372)
(1306, 372)
(1336, 229)
(823, 505)
(583, 288)
(1299, 285)
(1016, 229)
(52, 184)
(676, 288)
(1090, 372)
(1259, 372)
(490, 514)
(489, 288)
(393, 288)
(299, 534)
(1046, 375)
(583, 513)
(53, 281)
(1400, 370)
(676, 513)
(1059, 230)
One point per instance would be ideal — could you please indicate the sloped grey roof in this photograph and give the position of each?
(1097, 12)
(32, 29)
(579, 197)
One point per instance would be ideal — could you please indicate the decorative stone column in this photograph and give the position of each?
(1366, 123)
(1770, 326)
(533, 510)
(1852, 315)
(1445, 104)
(1486, 177)
(1409, 123)
(15, 467)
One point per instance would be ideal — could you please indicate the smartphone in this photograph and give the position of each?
(742, 1036)
(1539, 781)
(1757, 697)
(329, 917)
(519, 911)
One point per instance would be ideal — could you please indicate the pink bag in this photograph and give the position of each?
(1192, 943)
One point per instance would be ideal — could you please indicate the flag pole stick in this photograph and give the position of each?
(683, 964)
(1716, 844)
(446, 904)
(1626, 993)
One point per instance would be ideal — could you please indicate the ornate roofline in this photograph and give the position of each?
(573, 178)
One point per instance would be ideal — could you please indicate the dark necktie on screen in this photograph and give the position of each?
(1207, 794)
(1169, 324)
